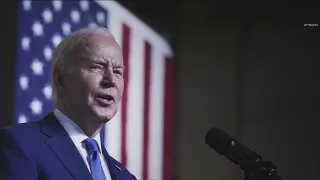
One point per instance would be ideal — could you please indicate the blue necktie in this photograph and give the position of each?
(94, 159)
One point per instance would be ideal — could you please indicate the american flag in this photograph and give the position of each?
(139, 136)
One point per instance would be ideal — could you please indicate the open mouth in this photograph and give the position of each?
(105, 99)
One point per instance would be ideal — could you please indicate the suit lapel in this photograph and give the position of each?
(113, 168)
(62, 146)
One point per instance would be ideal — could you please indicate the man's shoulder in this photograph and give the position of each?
(26, 127)
(22, 130)
(22, 133)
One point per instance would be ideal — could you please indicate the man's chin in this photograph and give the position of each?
(105, 119)
(104, 115)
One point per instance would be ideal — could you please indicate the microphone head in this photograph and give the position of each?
(219, 140)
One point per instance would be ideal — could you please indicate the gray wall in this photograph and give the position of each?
(7, 52)
(206, 57)
(256, 77)
(279, 94)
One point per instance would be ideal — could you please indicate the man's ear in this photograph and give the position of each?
(58, 80)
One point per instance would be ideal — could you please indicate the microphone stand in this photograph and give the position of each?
(269, 173)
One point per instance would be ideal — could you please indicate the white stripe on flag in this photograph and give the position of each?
(156, 114)
(135, 104)
(113, 136)
(134, 22)
(113, 130)
(139, 32)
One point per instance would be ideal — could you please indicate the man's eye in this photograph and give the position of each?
(96, 67)
(117, 72)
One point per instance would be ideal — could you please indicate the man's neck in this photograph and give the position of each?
(87, 124)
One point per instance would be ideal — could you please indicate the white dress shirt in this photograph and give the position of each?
(77, 136)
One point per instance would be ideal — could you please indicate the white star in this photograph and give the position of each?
(100, 17)
(37, 67)
(92, 24)
(37, 28)
(47, 53)
(66, 28)
(25, 43)
(47, 15)
(56, 39)
(23, 81)
(75, 16)
(57, 5)
(47, 91)
(26, 5)
(84, 4)
(36, 106)
(22, 119)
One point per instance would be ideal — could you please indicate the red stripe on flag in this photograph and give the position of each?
(168, 107)
(147, 69)
(126, 52)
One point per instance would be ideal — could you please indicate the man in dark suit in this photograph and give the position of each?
(87, 82)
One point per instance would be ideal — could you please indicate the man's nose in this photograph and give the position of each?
(109, 79)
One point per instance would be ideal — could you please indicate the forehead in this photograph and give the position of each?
(99, 47)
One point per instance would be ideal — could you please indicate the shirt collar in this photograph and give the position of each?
(74, 131)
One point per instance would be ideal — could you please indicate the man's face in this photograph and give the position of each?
(95, 86)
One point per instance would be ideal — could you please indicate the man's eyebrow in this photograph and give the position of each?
(97, 60)
(103, 63)
(118, 66)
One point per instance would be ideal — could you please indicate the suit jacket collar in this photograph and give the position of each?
(62, 146)
(114, 169)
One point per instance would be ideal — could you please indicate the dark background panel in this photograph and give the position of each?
(249, 67)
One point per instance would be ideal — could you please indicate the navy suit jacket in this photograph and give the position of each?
(44, 150)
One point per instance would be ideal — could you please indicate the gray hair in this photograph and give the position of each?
(62, 58)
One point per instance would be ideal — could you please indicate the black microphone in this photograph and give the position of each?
(250, 162)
